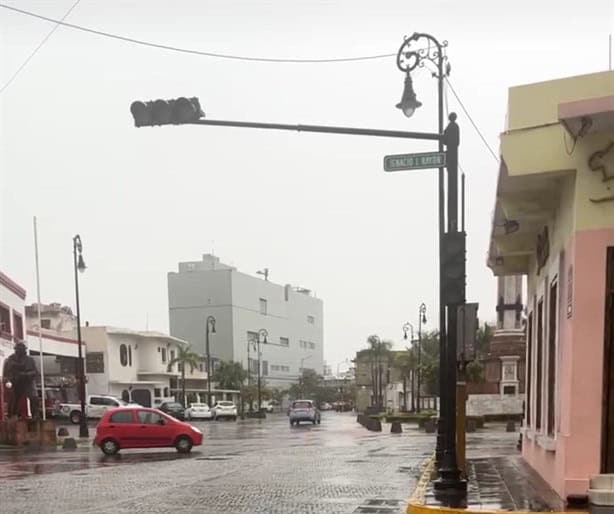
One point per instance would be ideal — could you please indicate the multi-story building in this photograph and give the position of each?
(242, 305)
(132, 365)
(554, 223)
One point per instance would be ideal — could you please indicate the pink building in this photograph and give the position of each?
(554, 223)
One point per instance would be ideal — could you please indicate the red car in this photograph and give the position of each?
(140, 427)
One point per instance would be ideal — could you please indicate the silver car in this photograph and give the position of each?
(304, 410)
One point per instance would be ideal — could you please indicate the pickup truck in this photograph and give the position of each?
(95, 407)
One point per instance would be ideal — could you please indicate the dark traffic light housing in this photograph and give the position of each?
(166, 112)
(453, 246)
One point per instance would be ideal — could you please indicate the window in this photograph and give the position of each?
(157, 392)
(122, 416)
(263, 306)
(96, 400)
(180, 367)
(130, 355)
(5, 321)
(312, 345)
(539, 339)
(265, 368)
(529, 369)
(509, 389)
(45, 323)
(123, 354)
(552, 314)
(149, 418)
(172, 354)
(311, 320)
(109, 402)
(17, 327)
(166, 391)
(284, 341)
(94, 362)
(163, 355)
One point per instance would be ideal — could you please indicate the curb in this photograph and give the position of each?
(416, 503)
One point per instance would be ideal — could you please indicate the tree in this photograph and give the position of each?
(379, 358)
(185, 357)
(483, 338)
(230, 375)
(474, 372)
(407, 362)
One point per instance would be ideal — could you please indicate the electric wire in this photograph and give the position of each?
(40, 45)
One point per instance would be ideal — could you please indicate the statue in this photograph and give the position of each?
(19, 374)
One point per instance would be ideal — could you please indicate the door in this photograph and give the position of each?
(123, 427)
(154, 429)
(95, 407)
(142, 397)
(607, 439)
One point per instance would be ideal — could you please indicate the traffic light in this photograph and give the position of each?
(166, 112)
(453, 256)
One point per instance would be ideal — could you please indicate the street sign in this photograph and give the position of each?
(414, 161)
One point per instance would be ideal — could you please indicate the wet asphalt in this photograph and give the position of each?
(247, 466)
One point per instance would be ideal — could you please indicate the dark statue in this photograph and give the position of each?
(19, 375)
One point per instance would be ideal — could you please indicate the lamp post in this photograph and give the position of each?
(262, 333)
(79, 265)
(421, 321)
(209, 329)
(407, 61)
(408, 327)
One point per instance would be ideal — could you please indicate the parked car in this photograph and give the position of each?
(304, 410)
(198, 411)
(174, 409)
(142, 427)
(224, 409)
(95, 406)
(326, 406)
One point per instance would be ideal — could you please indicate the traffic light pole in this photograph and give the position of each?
(449, 482)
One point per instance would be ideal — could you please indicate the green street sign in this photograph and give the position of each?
(414, 161)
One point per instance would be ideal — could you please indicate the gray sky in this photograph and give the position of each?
(318, 210)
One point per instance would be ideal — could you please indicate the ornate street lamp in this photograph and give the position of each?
(421, 321)
(209, 330)
(79, 265)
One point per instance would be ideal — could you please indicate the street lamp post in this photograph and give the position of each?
(209, 329)
(408, 327)
(408, 60)
(262, 333)
(421, 321)
(79, 265)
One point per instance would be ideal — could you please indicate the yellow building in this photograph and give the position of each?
(554, 223)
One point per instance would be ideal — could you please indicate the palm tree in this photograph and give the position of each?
(230, 375)
(185, 357)
(406, 362)
(379, 355)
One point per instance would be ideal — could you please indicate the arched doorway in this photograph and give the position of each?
(142, 397)
(125, 396)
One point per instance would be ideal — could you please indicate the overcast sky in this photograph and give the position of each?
(317, 210)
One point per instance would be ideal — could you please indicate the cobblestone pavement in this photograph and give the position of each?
(250, 466)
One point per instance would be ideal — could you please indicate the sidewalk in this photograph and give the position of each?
(497, 477)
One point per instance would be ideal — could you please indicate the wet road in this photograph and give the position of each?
(247, 466)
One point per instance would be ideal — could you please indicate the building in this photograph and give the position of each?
(12, 300)
(133, 365)
(501, 392)
(554, 223)
(242, 305)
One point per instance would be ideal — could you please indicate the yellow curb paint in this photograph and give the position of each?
(428, 466)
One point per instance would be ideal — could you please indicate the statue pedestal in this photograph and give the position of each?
(28, 433)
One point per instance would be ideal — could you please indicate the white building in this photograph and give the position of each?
(132, 365)
(242, 305)
(12, 300)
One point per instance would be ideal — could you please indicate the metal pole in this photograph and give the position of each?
(40, 335)
(208, 364)
(442, 308)
(449, 481)
(420, 314)
(323, 129)
(83, 430)
(259, 391)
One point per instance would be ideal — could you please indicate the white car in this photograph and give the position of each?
(224, 409)
(198, 411)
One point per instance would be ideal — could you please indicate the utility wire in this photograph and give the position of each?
(492, 152)
(190, 51)
(14, 76)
